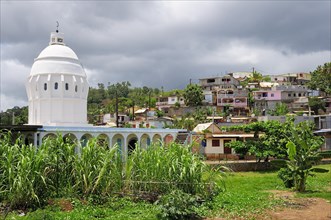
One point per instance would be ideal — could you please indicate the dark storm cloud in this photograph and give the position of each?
(167, 43)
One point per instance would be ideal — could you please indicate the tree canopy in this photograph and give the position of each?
(193, 95)
(321, 78)
(270, 138)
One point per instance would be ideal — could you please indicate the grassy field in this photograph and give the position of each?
(247, 195)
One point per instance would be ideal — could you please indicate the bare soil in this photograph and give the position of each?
(65, 205)
(300, 208)
(294, 209)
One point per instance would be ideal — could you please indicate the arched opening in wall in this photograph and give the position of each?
(145, 141)
(103, 141)
(56, 86)
(70, 139)
(157, 139)
(29, 139)
(49, 137)
(132, 143)
(67, 86)
(168, 139)
(84, 139)
(118, 142)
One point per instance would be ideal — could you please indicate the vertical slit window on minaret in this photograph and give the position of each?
(56, 85)
(45, 86)
(67, 86)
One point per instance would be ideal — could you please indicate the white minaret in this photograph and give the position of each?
(57, 87)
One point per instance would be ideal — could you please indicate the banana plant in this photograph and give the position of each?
(302, 150)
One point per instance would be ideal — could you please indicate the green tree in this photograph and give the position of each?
(279, 110)
(321, 78)
(193, 95)
(270, 138)
(14, 116)
(121, 89)
(315, 104)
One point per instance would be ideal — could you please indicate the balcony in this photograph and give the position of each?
(161, 103)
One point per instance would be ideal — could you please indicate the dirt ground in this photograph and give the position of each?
(300, 208)
(294, 209)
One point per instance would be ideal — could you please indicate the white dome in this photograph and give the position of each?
(58, 51)
(57, 59)
(57, 87)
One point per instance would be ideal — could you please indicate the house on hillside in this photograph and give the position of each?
(291, 78)
(211, 85)
(266, 98)
(214, 141)
(236, 100)
(164, 103)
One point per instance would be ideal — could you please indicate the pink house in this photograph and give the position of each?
(268, 95)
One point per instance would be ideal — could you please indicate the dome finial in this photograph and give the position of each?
(57, 27)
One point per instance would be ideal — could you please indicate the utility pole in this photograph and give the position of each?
(116, 108)
(190, 81)
(253, 69)
(149, 100)
(13, 119)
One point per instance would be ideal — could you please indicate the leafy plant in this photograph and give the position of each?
(178, 205)
(303, 153)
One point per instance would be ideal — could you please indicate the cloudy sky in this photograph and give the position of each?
(164, 43)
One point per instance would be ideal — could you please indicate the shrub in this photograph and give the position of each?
(178, 205)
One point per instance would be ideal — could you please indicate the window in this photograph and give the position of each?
(56, 86)
(289, 95)
(67, 86)
(299, 95)
(76, 88)
(215, 143)
(60, 40)
(272, 95)
(294, 95)
(45, 86)
(210, 80)
(264, 94)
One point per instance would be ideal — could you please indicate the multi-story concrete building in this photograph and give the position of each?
(291, 78)
(267, 98)
(234, 99)
(211, 85)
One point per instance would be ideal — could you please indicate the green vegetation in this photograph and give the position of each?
(247, 195)
(270, 139)
(280, 109)
(302, 149)
(193, 95)
(14, 116)
(321, 78)
(316, 104)
(30, 177)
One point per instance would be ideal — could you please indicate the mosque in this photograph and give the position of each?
(57, 90)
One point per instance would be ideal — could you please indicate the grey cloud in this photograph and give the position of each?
(167, 43)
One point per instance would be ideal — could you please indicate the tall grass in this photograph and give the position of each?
(29, 176)
(161, 169)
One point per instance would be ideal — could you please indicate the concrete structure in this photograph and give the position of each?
(57, 90)
(214, 141)
(57, 87)
(167, 102)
